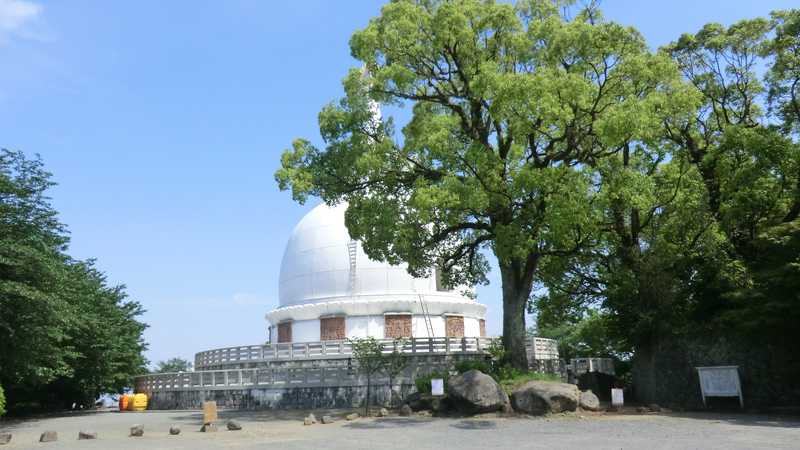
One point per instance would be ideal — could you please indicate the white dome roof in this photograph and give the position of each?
(316, 265)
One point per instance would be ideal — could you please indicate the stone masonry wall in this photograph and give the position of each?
(332, 329)
(397, 326)
(454, 326)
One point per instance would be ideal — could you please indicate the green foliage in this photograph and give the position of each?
(65, 335)
(371, 358)
(512, 105)
(512, 379)
(423, 382)
(2, 402)
(173, 365)
(477, 364)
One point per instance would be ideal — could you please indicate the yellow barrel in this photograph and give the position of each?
(139, 402)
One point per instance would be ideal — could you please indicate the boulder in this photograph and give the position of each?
(310, 419)
(137, 430)
(475, 392)
(87, 435)
(424, 413)
(209, 428)
(383, 412)
(48, 436)
(5, 438)
(543, 397)
(654, 407)
(234, 425)
(174, 430)
(589, 401)
(405, 411)
(352, 416)
(328, 419)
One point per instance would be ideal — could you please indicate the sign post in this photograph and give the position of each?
(720, 381)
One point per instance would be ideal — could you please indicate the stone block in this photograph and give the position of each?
(5, 438)
(174, 430)
(328, 419)
(352, 416)
(208, 428)
(87, 435)
(137, 430)
(234, 425)
(405, 411)
(48, 436)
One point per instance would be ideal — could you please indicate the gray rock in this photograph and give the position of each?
(87, 435)
(352, 416)
(48, 436)
(475, 392)
(654, 407)
(424, 413)
(589, 401)
(234, 425)
(383, 412)
(5, 438)
(328, 419)
(137, 430)
(310, 419)
(405, 411)
(543, 397)
(209, 428)
(174, 430)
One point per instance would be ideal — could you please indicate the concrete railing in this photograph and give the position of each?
(333, 349)
(538, 348)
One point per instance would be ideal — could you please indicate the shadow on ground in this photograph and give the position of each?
(388, 422)
(475, 425)
(744, 419)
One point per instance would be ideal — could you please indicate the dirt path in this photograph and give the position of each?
(284, 430)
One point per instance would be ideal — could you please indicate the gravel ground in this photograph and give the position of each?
(284, 430)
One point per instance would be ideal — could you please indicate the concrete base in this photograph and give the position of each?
(282, 398)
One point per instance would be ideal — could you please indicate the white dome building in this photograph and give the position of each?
(330, 290)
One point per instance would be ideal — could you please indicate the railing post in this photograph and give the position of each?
(447, 345)
(463, 345)
(213, 378)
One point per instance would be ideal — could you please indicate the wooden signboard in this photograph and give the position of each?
(209, 412)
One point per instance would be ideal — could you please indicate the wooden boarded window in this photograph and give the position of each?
(285, 332)
(397, 326)
(454, 326)
(482, 325)
(331, 329)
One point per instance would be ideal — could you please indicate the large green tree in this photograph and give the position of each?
(511, 107)
(65, 334)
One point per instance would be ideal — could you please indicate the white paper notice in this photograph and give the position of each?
(437, 386)
(616, 397)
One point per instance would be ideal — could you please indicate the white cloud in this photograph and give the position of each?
(17, 17)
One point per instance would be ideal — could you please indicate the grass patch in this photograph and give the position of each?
(518, 379)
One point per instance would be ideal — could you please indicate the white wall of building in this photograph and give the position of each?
(471, 326)
(364, 326)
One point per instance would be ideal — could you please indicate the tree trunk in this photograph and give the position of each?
(517, 279)
(366, 408)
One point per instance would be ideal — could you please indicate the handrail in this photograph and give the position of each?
(333, 349)
(538, 348)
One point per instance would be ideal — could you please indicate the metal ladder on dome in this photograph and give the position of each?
(352, 251)
(426, 315)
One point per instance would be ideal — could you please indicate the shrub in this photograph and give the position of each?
(424, 382)
(2, 402)
(468, 364)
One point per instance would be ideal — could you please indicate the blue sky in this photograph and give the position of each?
(163, 123)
